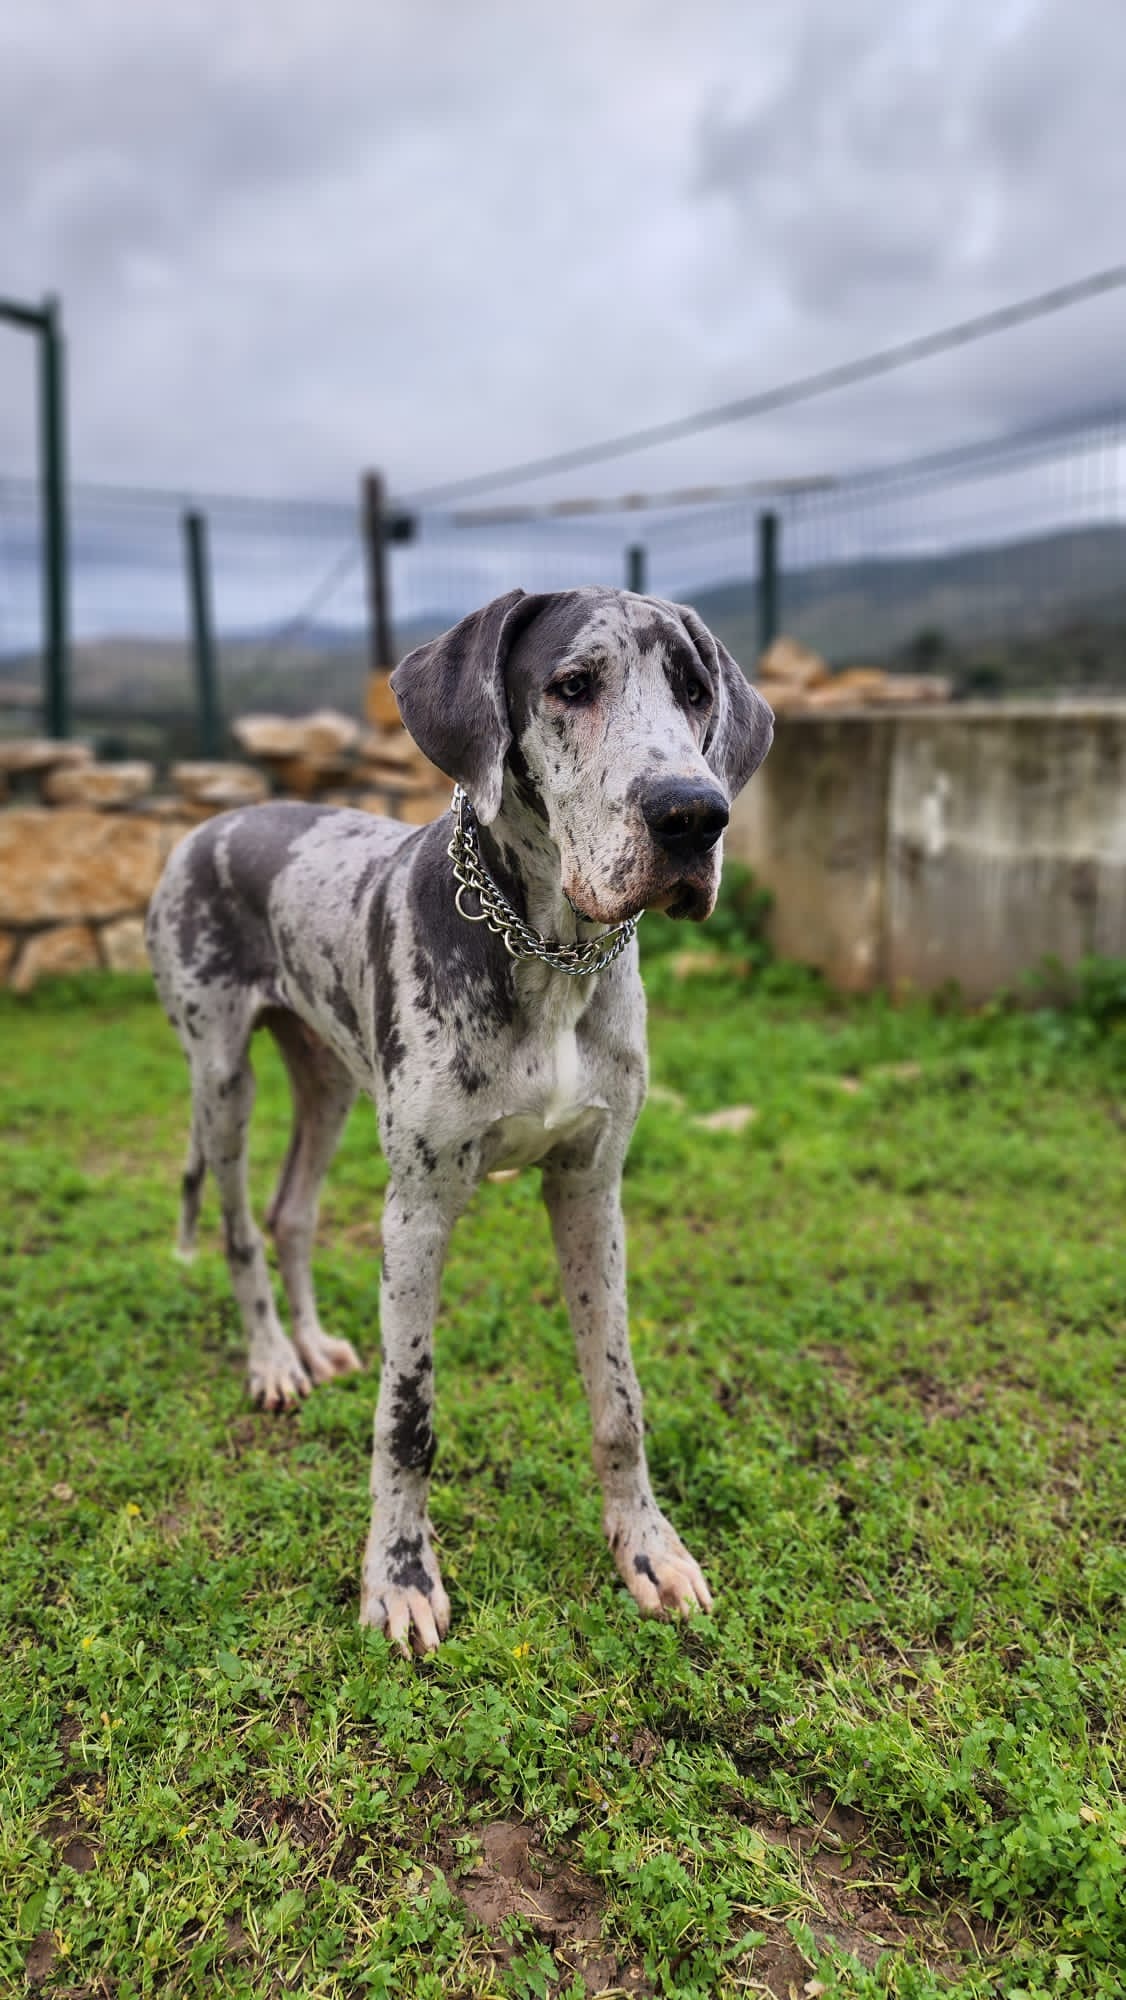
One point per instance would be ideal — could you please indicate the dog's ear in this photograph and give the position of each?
(740, 732)
(451, 697)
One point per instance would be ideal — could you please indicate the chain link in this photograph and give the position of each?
(497, 912)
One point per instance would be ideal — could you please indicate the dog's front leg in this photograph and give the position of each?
(402, 1590)
(589, 1232)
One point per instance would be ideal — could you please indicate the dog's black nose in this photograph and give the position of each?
(685, 818)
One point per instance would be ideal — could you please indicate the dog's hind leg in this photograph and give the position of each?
(222, 1099)
(323, 1095)
(191, 1193)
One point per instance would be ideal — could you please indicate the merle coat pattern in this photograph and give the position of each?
(600, 736)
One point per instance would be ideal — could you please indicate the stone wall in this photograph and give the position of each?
(82, 843)
(967, 843)
(905, 847)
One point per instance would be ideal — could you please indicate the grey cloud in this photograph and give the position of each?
(294, 239)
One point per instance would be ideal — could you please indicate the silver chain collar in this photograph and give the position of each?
(496, 911)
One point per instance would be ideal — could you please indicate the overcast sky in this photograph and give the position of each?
(296, 236)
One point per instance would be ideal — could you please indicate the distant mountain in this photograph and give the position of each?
(1042, 613)
(878, 609)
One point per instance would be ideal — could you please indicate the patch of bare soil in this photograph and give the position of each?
(514, 1877)
(858, 1905)
(943, 1400)
(272, 1431)
(40, 1960)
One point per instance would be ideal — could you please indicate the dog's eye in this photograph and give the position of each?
(696, 694)
(573, 687)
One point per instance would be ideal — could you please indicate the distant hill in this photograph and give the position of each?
(1044, 613)
(1003, 600)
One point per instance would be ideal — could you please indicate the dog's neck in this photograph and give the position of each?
(518, 850)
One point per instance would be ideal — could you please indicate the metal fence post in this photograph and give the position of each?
(52, 423)
(203, 635)
(636, 567)
(767, 579)
(372, 514)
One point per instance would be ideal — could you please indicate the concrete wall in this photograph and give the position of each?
(956, 843)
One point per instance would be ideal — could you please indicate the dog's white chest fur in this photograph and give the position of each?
(557, 1103)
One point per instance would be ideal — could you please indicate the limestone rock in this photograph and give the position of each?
(267, 736)
(326, 733)
(405, 783)
(380, 705)
(123, 945)
(40, 753)
(222, 784)
(392, 747)
(793, 664)
(914, 688)
(184, 813)
(329, 734)
(426, 806)
(67, 948)
(839, 693)
(59, 865)
(783, 697)
(307, 776)
(102, 785)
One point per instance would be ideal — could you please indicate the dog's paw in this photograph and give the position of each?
(276, 1378)
(402, 1594)
(656, 1568)
(326, 1358)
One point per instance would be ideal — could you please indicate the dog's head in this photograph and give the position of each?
(620, 721)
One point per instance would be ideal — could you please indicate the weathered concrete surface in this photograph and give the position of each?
(963, 843)
(813, 826)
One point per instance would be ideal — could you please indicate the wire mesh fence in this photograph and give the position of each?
(1005, 559)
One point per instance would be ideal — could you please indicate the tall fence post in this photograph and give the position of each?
(767, 579)
(52, 433)
(373, 513)
(203, 634)
(636, 567)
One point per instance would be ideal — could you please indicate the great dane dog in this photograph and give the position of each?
(478, 979)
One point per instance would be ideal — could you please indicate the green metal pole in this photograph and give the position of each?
(635, 568)
(203, 636)
(52, 419)
(767, 579)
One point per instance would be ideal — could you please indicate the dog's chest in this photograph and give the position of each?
(549, 1090)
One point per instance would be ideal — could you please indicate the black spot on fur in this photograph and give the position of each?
(644, 1567)
(457, 964)
(390, 1046)
(404, 1560)
(239, 1253)
(413, 1444)
(222, 932)
(469, 1074)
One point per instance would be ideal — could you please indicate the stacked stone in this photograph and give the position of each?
(78, 865)
(330, 757)
(795, 679)
(82, 843)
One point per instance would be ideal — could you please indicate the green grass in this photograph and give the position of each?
(881, 1336)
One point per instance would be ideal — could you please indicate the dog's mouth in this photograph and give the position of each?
(645, 878)
(687, 902)
(690, 898)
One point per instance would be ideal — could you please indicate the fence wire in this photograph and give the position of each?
(1002, 559)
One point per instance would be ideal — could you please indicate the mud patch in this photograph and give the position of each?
(857, 1904)
(515, 1878)
(304, 1823)
(40, 1961)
